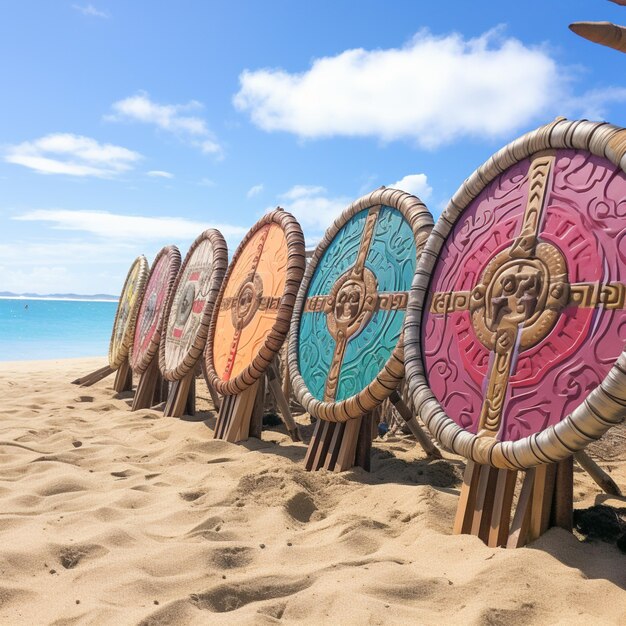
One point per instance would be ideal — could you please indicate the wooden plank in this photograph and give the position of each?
(326, 435)
(123, 378)
(256, 420)
(93, 377)
(224, 416)
(283, 406)
(543, 492)
(178, 397)
(600, 477)
(144, 394)
(314, 443)
(335, 447)
(563, 502)
(238, 428)
(501, 514)
(363, 454)
(417, 431)
(518, 534)
(467, 499)
(485, 494)
(347, 451)
(190, 396)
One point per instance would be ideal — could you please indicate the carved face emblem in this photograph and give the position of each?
(245, 300)
(515, 295)
(349, 301)
(185, 305)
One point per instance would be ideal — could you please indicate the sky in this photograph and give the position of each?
(126, 126)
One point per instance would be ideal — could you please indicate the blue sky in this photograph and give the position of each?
(125, 126)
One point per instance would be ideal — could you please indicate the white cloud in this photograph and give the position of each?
(90, 11)
(206, 182)
(593, 104)
(173, 118)
(254, 191)
(160, 174)
(74, 155)
(313, 208)
(433, 90)
(128, 227)
(416, 184)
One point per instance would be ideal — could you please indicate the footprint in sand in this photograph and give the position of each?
(225, 598)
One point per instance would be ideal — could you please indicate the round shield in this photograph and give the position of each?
(188, 310)
(345, 355)
(126, 314)
(517, 318)
(150, 316)
(253, 309)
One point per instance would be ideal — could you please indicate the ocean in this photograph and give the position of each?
(54, 329)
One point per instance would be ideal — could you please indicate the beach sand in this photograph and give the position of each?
(113, 517)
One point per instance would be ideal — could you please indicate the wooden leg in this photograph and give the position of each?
(543, 492)
(326, 435)
(563, 504)
(335, 446)
(223, 416)
(364, 443)
(601, 478)
(123, 378)
(256, 421)
(418, 432)
(467, 499)
(277, 391)
(146, 387)
(311, 451)
(233, 422)
(93, 377)
(502, 503)
(483, 509)
(178, 399)
(518, 534)
(347, 451)
(190, 403)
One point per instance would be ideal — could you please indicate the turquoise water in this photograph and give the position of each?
(54, 329)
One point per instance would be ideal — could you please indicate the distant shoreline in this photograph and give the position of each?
(60, 298)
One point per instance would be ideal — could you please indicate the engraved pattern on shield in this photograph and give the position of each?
(151, 309)
(271, 267)
(188, 305)
(583, 218)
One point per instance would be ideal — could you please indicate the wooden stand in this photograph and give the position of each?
(149, 388)
(93, 377)
(241, 416)
(338, 446)
(486, 502)
(123, 378)
(182, 397)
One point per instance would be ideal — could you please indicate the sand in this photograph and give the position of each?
(113, 517)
